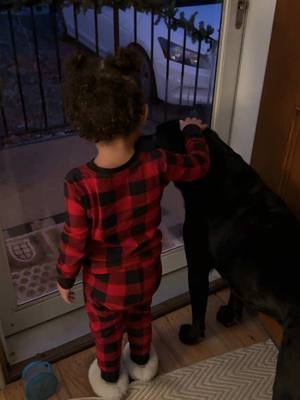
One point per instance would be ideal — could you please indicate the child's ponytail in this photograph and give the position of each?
(127, 63)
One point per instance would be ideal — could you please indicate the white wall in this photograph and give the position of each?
(251, 77)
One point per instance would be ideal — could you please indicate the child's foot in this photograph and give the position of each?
(108, 390)
(144, 372)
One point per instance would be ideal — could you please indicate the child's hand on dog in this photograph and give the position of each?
(66, 294)
(192, 121)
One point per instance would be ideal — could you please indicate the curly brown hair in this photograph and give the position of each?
(104, 98)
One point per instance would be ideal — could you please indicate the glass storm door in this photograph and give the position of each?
(181, 77)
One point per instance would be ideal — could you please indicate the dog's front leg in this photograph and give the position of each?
(287, 380)
(195, 236)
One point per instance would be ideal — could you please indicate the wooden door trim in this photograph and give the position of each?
(272, 328)
(290, 153)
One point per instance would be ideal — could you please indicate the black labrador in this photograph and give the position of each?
(237, 225)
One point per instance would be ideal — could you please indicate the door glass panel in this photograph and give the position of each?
(37, 148)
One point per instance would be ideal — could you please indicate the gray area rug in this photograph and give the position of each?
(244, 374)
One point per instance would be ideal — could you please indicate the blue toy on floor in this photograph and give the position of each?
(39, 379)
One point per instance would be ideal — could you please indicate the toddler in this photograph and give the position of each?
(113, 214)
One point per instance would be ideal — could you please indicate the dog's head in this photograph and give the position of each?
(169, 137)
(229, 175)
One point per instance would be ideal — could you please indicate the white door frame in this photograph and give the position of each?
(251, 77)
(15, 318)
(227, 71)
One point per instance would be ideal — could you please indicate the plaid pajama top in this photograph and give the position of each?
(113, 218)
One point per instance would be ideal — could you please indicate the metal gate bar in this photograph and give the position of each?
(96, 28)
(116, 28)
(135, 24)
(183, 65)
(152, 36)
(167, 71)
(75, 20)
(197, 72)
(37, 58)
(57, 52)
(13, 41)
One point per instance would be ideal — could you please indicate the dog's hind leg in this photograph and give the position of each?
(231, 314)
(195, 235)
(287, 379)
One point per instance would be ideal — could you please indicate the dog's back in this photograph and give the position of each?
(254, 239)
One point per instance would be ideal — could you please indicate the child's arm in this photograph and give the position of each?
(193, 165)
(74, 237)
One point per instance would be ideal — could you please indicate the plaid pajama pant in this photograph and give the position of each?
(108, 326)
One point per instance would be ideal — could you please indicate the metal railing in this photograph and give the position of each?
(25, 62)
(38, 107)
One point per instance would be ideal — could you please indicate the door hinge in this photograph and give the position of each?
(241, 13)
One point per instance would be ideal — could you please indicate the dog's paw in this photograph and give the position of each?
(188, 334)
(227, 317)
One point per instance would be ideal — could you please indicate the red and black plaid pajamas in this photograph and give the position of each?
(107, 327)
(112, 231)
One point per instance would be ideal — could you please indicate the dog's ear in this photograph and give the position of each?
(169, 136)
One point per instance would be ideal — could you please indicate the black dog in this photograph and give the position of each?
(235, 224)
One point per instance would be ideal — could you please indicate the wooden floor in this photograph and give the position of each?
(72, 371)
